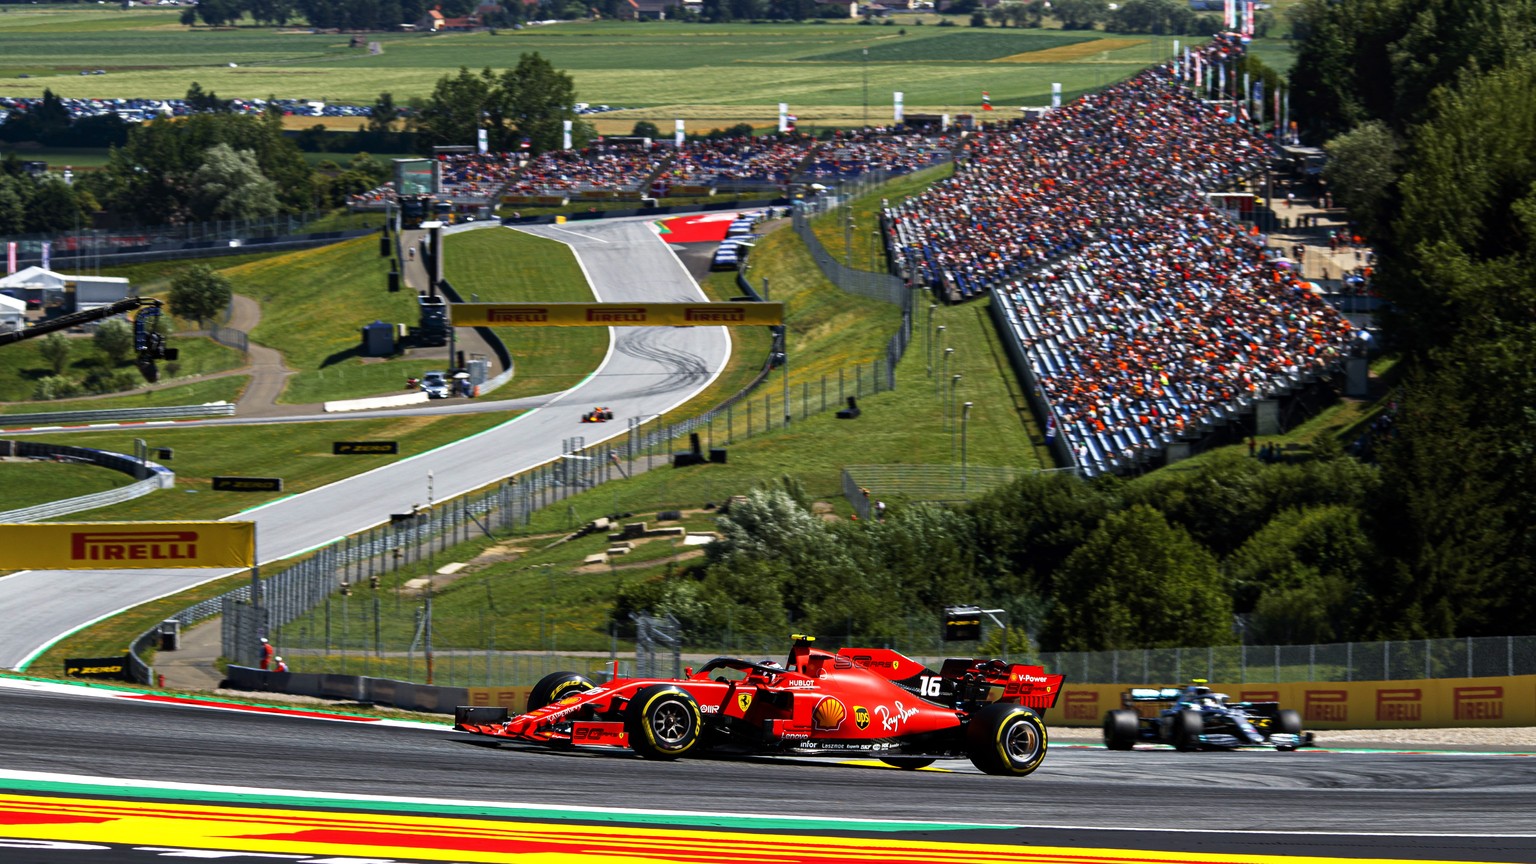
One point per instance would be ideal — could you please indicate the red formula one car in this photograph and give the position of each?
(859, 701)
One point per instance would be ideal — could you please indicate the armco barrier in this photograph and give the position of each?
(1415, 704)
(168, 412)
(354, 688)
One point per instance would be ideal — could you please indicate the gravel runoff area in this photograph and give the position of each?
(1509, 737)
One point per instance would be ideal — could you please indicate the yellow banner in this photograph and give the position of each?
(1424, 703)
(126, 545)
(616, 314)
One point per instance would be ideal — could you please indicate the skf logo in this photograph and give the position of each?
(828, 714)
(715, 314)
(617, 314)
(133, 545)
(514, 315)
(743, 701)
(1399, 706)
(1326, 705)
(1082, 705)
(861, 716)
(1479, 703)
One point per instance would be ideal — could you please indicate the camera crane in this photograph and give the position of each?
(149, 344)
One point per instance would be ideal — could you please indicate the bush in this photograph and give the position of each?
(57, 387)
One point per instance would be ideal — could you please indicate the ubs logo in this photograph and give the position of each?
(1479, 703)
(133, 545)
(1327, 705)
(1400, 705)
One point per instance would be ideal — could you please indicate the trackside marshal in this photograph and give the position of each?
(126, 545)
(616, 314)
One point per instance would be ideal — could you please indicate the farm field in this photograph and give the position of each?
(708, 75)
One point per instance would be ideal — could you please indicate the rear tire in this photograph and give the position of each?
(663, 722)
(907, 763)
(1006, 739)
(1121, 729)
(556, 686)
(1187, 728)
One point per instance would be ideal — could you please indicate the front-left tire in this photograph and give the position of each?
(663, 721)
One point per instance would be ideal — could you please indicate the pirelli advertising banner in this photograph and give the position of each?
(126, 545)
(1415, 704)
(616, 314)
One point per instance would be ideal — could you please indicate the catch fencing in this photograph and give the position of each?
(1470, 657)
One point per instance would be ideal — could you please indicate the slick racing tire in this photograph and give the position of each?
(1187, 728)
(663, 722)
(1006, 739)
(556, 686)
(1289, 722)
(1120, 729)
(907, 763)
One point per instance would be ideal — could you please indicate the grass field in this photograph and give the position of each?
(300, 453)
(21, 366)
(708, 75)
(225, 388)
(23, 484)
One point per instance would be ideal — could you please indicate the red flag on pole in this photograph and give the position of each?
(986, 101)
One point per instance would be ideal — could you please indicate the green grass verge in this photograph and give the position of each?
(24, 484)
(300, 453)
(225, 388)
(312, 306)
(22, 365)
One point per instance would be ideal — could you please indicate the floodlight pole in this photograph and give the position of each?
(965, 418)
(993, 613)
(954, 427)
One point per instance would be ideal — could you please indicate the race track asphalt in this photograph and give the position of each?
(1459, 807)
(648, 371)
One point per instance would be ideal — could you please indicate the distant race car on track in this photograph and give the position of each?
(870, 702)
(1195, 718)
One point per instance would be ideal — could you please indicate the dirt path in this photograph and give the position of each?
(269, 375)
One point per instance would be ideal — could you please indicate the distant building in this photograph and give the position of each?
(69, 293)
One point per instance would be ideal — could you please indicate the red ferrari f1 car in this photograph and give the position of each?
(859, 701)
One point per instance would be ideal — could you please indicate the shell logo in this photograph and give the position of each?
(828, 714)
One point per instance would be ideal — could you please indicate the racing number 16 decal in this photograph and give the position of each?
(929, 686)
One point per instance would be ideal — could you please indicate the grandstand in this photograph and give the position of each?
(1138, 315)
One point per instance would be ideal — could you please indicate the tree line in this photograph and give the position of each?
(1428, 112)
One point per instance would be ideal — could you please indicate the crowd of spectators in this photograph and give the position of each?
(769, 159)
(476, 176)
(1144, 314)
(894, 151)
(624, 167)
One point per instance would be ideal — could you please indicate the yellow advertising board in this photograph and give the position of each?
(1423, 703)
(616, 314)
(126, 545)
(512, 698)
